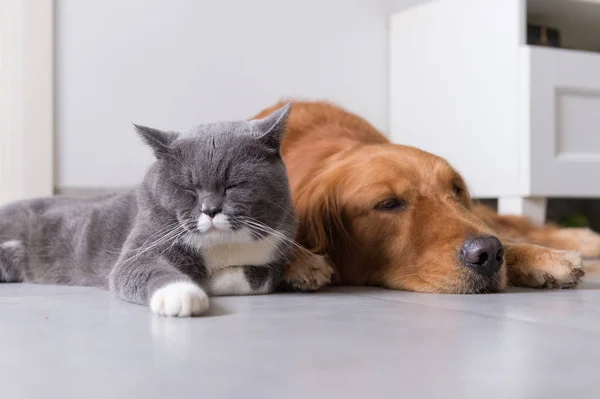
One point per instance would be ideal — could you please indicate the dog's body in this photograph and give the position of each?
(394, 216)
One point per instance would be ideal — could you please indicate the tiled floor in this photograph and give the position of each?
(70, 342)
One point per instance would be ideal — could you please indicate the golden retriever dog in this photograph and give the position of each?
(394, 216)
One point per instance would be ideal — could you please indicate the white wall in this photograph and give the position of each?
(26, 96)
(399, 5)
(177, 63)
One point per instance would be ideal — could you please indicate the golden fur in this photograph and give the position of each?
(341, 168)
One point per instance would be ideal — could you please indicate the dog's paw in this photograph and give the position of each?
(582, 240)
(308, 273)
(182, 299)
(552, 269)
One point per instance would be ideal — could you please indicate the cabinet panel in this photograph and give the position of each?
(577, 123)
(564, 102)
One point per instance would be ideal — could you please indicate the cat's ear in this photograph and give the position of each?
(272, 127)
(158, 140)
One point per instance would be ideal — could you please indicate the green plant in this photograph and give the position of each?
(575, 221)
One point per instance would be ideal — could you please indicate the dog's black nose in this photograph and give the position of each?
(483, 254)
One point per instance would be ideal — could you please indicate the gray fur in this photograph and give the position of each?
(122, 242)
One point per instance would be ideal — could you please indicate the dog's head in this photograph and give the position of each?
(398, 217)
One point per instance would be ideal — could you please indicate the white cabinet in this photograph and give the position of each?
(521, 123)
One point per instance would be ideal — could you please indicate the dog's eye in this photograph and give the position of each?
(457, 190)
(392, 204)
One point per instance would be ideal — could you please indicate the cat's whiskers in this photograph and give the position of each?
(169, 235)
(288, 256)
(154, 245)
(175, 239)
(283, 209)
(255, 224)
(272, 240)
(141, 250)
(159, 232)
(250, 222)
(266, 229)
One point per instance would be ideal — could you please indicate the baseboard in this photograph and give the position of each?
(87, 192)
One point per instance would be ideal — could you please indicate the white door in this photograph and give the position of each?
(26, 98)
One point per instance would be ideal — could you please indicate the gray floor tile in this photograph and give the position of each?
(71, 342)
(578, 308)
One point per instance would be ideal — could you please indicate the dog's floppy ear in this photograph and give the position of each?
(321, 217)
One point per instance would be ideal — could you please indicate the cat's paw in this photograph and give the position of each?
(308, 273)
(182, 299)
(552, 269)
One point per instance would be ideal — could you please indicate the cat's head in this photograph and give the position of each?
(222, 182)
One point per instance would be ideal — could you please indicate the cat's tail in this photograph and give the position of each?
(13, 254)
(13, 258)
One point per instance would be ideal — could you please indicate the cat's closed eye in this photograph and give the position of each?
(233, 185)
(191, 191)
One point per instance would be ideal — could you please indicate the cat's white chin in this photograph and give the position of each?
(218, 237)
(206, 224)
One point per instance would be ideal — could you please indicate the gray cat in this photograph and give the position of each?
(213, 216)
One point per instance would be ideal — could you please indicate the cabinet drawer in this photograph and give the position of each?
(563, 122)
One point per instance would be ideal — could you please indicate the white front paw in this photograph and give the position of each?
(181, 299)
